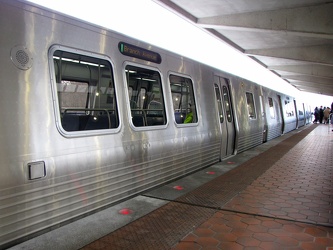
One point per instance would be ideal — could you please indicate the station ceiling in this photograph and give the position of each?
(293, 39)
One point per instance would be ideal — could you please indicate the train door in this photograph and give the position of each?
(263, 114)
(282, 116)
(227, 122)
(297, 115)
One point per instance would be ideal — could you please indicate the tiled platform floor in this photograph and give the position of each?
(280, 199)
(230, 230)
(290, 206)
(297, 187)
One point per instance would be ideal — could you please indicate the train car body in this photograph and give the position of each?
(90, 117)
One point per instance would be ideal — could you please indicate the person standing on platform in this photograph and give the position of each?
(316, 115)
(332, 114)
(321, 114)
(327, 112)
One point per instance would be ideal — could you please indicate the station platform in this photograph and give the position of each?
(278, 195)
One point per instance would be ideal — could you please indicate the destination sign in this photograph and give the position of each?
(137, 52)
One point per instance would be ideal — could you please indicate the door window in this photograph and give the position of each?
(227, 104)
(219, 102)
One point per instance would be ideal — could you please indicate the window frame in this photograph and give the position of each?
(192, 124)
(290, 109)
(253, 105)
(127, 98)
(271, 108)
(55, 96)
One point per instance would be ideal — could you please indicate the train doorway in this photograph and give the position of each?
(226, 117)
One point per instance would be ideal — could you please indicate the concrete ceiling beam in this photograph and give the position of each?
(309, 21)
(318, 54)
(311, 70)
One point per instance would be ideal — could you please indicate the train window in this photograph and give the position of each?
(227, 105)
(271, 107)
(85, 92)
(145, 96)
(219, 102)
(250, 105)
(183, 99)
(290, 108)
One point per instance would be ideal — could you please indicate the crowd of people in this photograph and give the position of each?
(323, 115)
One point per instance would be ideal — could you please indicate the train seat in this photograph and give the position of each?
(180, 117)
(70, 122)
(153, 120)
(97, 122)
(138, 120)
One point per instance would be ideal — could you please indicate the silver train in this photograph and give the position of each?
(90, 117)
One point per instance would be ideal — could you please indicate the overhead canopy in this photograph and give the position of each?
(293, 39)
